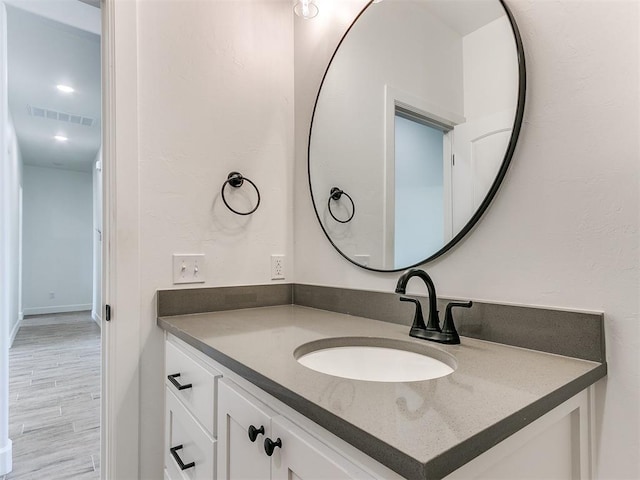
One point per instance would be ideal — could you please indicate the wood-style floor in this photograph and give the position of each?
(54, 403)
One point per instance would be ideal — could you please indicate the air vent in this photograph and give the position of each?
(60, 116)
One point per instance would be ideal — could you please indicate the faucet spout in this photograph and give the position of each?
(433, 323)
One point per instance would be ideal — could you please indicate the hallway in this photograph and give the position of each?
(54, 403)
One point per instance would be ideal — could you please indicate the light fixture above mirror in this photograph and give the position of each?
(306, 9)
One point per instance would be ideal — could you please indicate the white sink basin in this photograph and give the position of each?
(375, 359)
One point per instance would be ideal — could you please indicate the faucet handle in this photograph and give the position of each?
(418, 319)
(449, 327)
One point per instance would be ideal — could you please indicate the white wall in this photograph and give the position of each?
(489, 67)
(490, 99)
(10, 179)
(96, 176)
(215, 95)
(57, 240)
(419, 180)
(349, 145)
(14, 177)
(563, 230)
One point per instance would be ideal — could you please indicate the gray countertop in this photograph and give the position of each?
(423, 429)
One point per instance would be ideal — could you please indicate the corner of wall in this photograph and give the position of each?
(14, 330)
(6, 455)
(95, 316)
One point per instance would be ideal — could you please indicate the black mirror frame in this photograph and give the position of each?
(522, 87)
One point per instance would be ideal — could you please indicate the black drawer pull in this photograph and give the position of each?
(176, 457)
(172, 379)
(254, 432)
(270, 445)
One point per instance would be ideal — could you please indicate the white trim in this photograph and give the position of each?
(395, 97)
(6, 455)
(388, 202)
(20, 252)
(68, 12)
(96, 318)
(589, 469)
(121, 347)
(14, 332)
(57, 309)
(447, 194)
(577, 408)
(5, 255)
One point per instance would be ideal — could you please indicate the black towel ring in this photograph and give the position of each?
(235, 179)
(336, 194)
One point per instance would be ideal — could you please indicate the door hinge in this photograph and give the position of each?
(107, 313)
(453, 160)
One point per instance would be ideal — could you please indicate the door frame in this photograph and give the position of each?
(395, 97)
(120, 251)
(5, 442)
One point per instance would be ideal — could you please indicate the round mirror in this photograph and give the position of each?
(414, 127)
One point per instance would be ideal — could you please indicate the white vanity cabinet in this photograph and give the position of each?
(295, 453)
(190, 428)
(556, 446)
(241, 456)
(210, 422)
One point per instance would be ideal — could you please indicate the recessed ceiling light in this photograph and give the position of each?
(65, 88)
(61, 138)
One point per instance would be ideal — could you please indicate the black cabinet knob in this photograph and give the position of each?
(254, 432)
(270, 445)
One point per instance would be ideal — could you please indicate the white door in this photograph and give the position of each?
(189, 450)
(479, 147)
(302, 457)
(240, 458)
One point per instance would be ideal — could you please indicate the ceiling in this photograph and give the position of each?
(466, 16)
(43, 53)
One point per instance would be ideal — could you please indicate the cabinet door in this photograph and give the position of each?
(302, 457)
(187, 442)
(555, 446)
(199, 396)
(238, 457)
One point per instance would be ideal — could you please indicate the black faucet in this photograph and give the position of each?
(430, 331)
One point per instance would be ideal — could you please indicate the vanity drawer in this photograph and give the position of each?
(190, 442)
(199, 397)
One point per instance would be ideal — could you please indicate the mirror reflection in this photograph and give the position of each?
(413, 122)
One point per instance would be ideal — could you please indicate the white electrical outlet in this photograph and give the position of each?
(277, 267)
(188, 268)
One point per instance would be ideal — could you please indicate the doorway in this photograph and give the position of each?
(54, 103)
(421, 153)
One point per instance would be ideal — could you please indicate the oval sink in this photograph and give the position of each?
(375, 359)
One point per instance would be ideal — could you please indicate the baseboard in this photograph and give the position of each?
(21, 316)
(5, 458)
(14, 330)
(57, 309)
(96, 318)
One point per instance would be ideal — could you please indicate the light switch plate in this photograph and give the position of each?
(189, 268)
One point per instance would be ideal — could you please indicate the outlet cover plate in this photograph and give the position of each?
(189, 268)
(277, 267)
